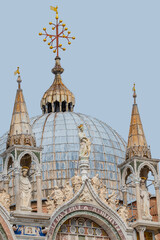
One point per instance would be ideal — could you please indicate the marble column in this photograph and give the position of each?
(158, 200)
(124, 192)
(17, 190)
(141, 230)
(39, 192)
(6, 182)
(139, 210)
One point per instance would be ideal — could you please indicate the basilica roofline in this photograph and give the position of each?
(21, 147)
(156, 160)
(149, 225)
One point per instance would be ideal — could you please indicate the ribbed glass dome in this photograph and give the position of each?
(57, 133)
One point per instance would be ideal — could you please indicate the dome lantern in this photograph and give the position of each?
(58, 98)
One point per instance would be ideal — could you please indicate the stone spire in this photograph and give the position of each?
(137, 144)
(20, 129)
(57, 98)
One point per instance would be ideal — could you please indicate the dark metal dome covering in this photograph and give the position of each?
(57, 133)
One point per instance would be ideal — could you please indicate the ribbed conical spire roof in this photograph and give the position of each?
(137, 144)
(58, 98)
(20, 129)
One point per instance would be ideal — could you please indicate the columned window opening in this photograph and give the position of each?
(56, 106)
(49, 105)
(64, 106)
(70, 107)
(44, 109)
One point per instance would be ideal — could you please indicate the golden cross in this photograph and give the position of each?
(59, 34)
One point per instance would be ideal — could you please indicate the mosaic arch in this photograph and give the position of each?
(81, 229)
(6, 231)
(95, 223)
(2, 233)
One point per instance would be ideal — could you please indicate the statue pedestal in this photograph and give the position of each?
(25, 209)
(84, 167)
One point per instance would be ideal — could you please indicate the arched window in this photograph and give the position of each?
(49, 105)
(81, 229)
(56, 106)
(44, 109)
(64, 106)
(70, 107)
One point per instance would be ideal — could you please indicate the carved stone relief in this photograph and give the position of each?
(123, 213)
(96, 183)
(5, 200)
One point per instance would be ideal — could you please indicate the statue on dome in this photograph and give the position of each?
(68, 191)
(5, 200)
(145, 200)
(96, 183)
(76, 182)
(85, 144)
(112, 200)
(25, 190)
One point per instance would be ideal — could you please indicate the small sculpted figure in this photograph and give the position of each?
(85, 196)
(76, 182)
(68, 191)
(123, 213)
(50, 205)
(112, 200)
(5, 199)
(95, 182)
(25, 190)
(103, 192)
(145, 200)
(85, 144)
(58, 196)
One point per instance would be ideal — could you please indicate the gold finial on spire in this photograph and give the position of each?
(17, 71)
(134, 93)
(55, 9)
(61, 31)
(19, 78)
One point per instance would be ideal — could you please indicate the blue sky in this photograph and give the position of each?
(117, 43)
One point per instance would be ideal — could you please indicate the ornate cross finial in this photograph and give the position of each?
(134, 93)
(61, 31)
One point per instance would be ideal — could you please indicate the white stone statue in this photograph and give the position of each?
(55, 199)
(25, 190)
(145, 200)
(76, 182)
(112, 200)
(85, 196)
(58, 196)
(96, 183)
(103, 192)
(5, 199)
(123, 213)
(50, 205)
(68, 191)
(85, 144)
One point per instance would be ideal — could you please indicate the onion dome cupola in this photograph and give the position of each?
(20, 129)
(137, 144)
(58, 97)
